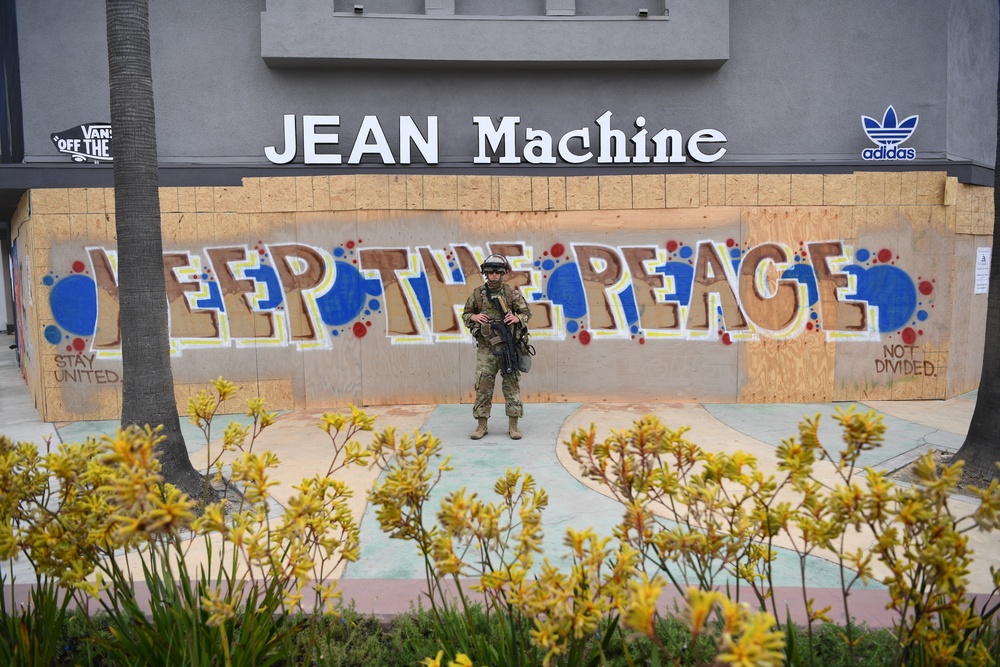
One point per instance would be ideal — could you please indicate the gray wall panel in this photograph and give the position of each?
(798, 78)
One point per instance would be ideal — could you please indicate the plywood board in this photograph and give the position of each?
(339, 289)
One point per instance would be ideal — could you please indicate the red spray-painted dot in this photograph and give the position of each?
(642, 341)
(909, 336)
(79, 344)
(557, 249)
(585, 337)
(671, 246)
(360, 330)
(78, 266)
(809, 326)
(884, 255)
(926, 287)
(349, 244)
(368, 323)
(727, 339)
(730, 243)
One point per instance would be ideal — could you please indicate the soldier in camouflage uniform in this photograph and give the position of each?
(479, 312)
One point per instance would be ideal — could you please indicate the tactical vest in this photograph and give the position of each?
(479, 296)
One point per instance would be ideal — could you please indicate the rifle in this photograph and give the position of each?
(504, 341)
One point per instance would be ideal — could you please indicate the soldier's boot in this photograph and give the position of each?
(481, 430)
(514, 433)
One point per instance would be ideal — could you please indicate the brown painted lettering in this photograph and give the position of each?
(107, 334)
(401, 321)
(597, 276)
(835, 315)
(186, 322)
(709, 279)
(237, 295)
(653, 314)
(777, 311)
(300, 269)
(443, 295)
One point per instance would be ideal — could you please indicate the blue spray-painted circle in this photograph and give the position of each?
(373, 286)
(735, 253)
(53, 334)
(74, 304)
(565, 287)
(572, 326)
(345, 299)
(48, 280)
(862, 255)
(922, 315)
(338, 252)
(685, 252)
(373, 304)
(548, 265)
(890, 289)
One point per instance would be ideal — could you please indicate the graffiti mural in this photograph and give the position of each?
(301, 295)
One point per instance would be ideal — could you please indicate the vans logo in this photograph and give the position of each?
(90, 141)
(888, 135)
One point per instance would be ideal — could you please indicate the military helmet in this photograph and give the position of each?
(495, 263)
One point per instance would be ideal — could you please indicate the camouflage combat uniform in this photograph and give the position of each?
(487, 363)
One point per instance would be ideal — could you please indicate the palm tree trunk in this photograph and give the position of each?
(981, 450)
(147, 380)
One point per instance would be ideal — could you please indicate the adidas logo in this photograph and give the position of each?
(888, 135)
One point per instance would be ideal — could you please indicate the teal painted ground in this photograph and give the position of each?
(477, 466)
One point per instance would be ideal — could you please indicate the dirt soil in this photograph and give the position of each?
(906, 474)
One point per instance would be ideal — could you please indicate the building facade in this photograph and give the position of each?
(701, 199)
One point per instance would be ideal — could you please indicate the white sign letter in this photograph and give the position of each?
(408, 132)
(538, 150)
(495, 135)
(310, 139)
(284, 158)
(607, 135)
(370, 128)
(706, 136)
(569, 156)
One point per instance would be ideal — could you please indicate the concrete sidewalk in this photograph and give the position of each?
(388, 577)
